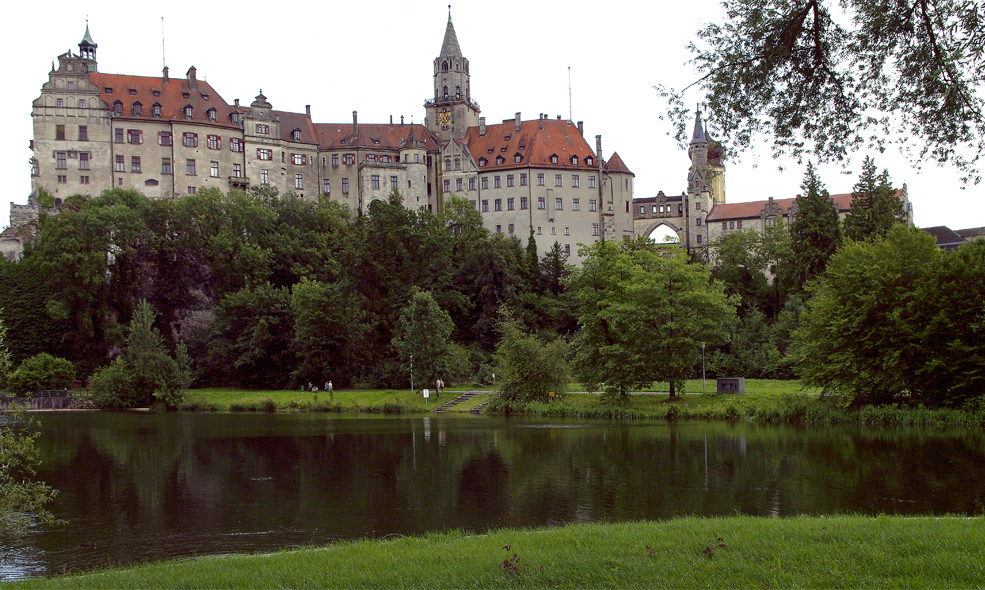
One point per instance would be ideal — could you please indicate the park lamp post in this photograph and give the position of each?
(702, 368)
(412, 373)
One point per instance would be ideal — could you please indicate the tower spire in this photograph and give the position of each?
(449, 46)
(87, 49)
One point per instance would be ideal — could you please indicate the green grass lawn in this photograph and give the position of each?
(734, 552)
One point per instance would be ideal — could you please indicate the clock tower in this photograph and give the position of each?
(452, 111)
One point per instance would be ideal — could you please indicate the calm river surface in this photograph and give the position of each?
(140, 487)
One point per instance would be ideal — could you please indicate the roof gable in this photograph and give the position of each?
(535, 143)
(172, 96)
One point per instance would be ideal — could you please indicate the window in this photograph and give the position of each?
(235, 144)
(627, 184)
(592, 205)
(567, 249)
(500, 160)
(642, 209)
(120, 164)
(447, 185)
(458, 164)
(188, 112)
(523, 179)
(59, 102)
(118, 108)
(485, 205)
(191, 190)
(510, 204)
(540, 179)
(541, 202)
(163, 138)
(699, 239)
(299, 159)
(731, 225)
(567, 231)
(189, 139)
(738, 224)
(589, 161)
(574, 160)
(345, 186)
(472, 183)
(83, 133)
(62, 179)
(59, 132)
(485, 182)
(135, 136)
(262, 129)
(165, 165)
(417, 158)
(335, 159)
(523, 202)
(517, 158)
(299, 181)
(697, 206)
(264, 176)
(265, 154)
(85, 179)
(393, 183)
(539, 231)
(348, 159)
(155, 110)
(138, 109)
(499, 229)
(474, 205)
(499, 204)
(591, 182)
(82, 103)
(595, 229)
(190, 167)
(83, 160)
(497, 183)
(697, 222)
(511, 228)
(326, 186)
(558, 204)
(458, 184)
(725, 225)
(576, 204)
(376, 183)
(214, 169)
(214, 142)
(553, 231)
(553, 158)
(558, 181)
(61, 161)
(575, 181)
(117, 136)
(509, 180)
(134, 163)
(482, 162)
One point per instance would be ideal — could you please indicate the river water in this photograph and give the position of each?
(141, 487)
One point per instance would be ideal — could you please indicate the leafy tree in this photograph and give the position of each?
(21, 499)
(644, 315)
(41, 371)
(424, 331)
(862, 334)
(531, 368)
(5, 362)
(145, 373)
(815, 232)
(830, 78)
(875, 207)
(756, 266)
(328, 332)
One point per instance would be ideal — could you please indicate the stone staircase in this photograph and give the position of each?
(443, 407)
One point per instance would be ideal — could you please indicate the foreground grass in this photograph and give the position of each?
(745, 552)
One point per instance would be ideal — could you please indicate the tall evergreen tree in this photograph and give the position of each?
(815, 231)
(875, 207)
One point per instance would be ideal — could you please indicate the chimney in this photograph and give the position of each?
(598, 149)
(559, 117)
(482, 126)
(355, 124)
(401, 119)
(307, 110)
(517, 122)
(165, 74)
(236, 102)
(581, 128)
(391, 120)
(192, 82)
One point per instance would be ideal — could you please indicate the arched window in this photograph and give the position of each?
(211, 114)
(118, 108)
(188, 112)
(138, 109)
(446, 92)
(458, 92)
(444, 66)
(296, 134)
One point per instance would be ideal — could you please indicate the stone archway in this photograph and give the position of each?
(661, 236)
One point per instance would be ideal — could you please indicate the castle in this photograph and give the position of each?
(168, 137)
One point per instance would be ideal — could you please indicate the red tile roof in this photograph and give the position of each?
(373, 136)
(291, 121)
(753, 209)
(536, 142)
(616, 165)
(132, 89)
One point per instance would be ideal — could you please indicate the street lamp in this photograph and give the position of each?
(702, 368)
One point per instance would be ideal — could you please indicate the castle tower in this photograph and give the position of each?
(87, 50)
(703, 178)
(452, 111)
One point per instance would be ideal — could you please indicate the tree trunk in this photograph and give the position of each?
(673, 393)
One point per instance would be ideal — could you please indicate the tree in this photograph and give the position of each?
(41, 371)
(5, 363)
(756, 266)
(875, 206)
(644, 315)
(829, 78)
(424, 331)
(329, 327)
(145, 373)
(815, 232)
(531, 369)
(21, 498)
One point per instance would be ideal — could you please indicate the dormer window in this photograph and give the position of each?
(205, 97)
(507, 138)
(482, 162)
(517, 157)
(589, 161)
(234, 117)
(296, 135)
(157, 93)
(188, 112)
(118, 108)
(108, 90)
(553, 158)
(185, 95)
(156, 110)
(133, 92)
(500, 160)
(138, 109)
(211, 114)
(574, 160)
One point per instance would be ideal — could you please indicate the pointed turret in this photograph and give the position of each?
(698, 136)
(450, 47)
(87, 49)
(452, 109)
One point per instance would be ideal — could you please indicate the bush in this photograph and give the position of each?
(41, 371)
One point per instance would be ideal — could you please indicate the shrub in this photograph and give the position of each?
(41, 371)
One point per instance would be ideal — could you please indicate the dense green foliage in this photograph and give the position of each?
(424, 329)
(41, 371)
(815, 232)
(875, 208)
(531, 369)
(22, 499)
(5, 362)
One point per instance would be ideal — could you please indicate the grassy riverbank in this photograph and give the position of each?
(744, 552)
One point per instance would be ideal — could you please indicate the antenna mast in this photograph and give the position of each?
(570, 111)
(164, 61)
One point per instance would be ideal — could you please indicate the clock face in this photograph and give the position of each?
(444, 118)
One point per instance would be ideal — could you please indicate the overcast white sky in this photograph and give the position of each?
(376, 57)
